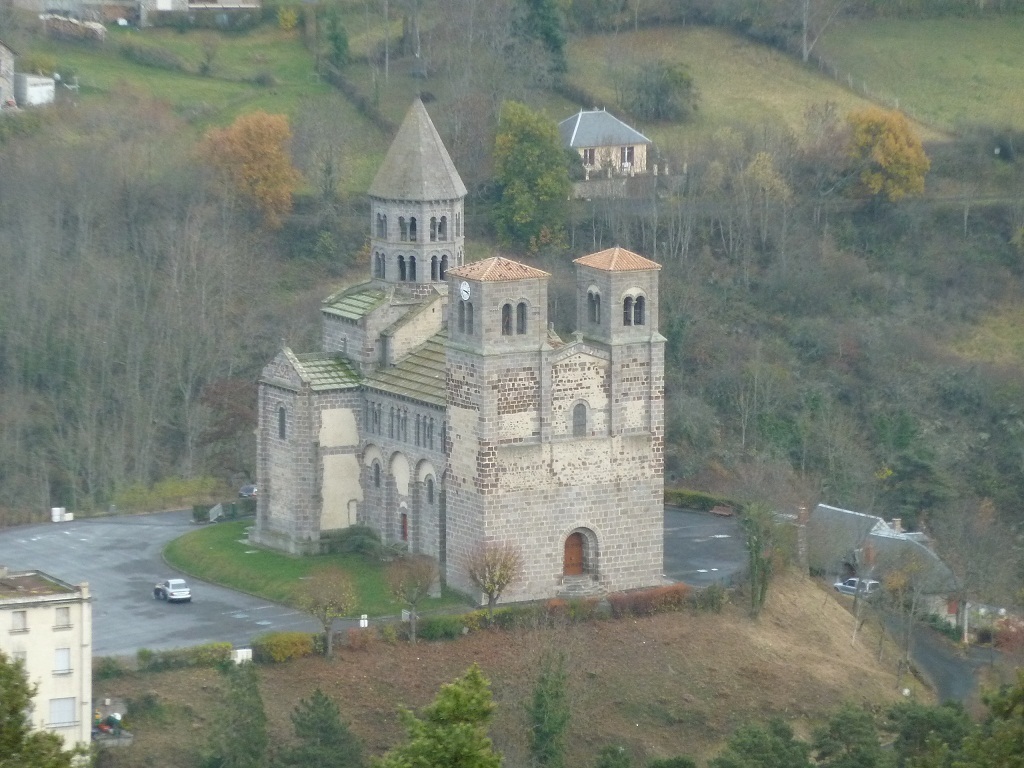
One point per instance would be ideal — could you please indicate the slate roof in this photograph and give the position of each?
(354, 303)
(497, 269)
(417, 166)
(323, 373)
(598, 128)
(420, 375)
(617, 260)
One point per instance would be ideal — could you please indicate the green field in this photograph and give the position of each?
(221, 554)
(949, 72)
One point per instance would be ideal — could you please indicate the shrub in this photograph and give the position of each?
(359, 639)
(152, 56)
(388, 633)
(287, 18)
(208, 655)
(679, 761)
(278, 647)
(201, 513)
(107, 668)
(939, 624)
(147, 705)
(647, 602)
(704, 502)
(519, 616)
(439, 627)
(712, 598)
(354, 540)
(264, 79)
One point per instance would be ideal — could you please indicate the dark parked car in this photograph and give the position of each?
(248, 492)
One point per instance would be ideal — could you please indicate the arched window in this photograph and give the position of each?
(384, 226)
(405, 527)
(521, 318)
(442, 228)
(281, 425)
(594, 306)
(417, 429)
(579, 420)
(412, 269)
(458, 225)
(638, 310)
(433, 267)
(376, 474)
(430, 490)
(412, 228)
(401, 268)
(433, 229)
(430, 434)
(469, 317)
(462, 317)
(627, 311)
(391, 424)
(403, 229)
(444, 268)
(506, 320)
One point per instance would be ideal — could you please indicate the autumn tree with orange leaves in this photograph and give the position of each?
(252, 155)
(888, 161)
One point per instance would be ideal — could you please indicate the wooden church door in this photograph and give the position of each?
(574, 555)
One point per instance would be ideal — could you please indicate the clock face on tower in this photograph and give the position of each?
(464, 291)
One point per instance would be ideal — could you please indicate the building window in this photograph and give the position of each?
(521, 318)
(63, 618)
(412, 269)
(588, 156)
(430, 490)
(444, 268)
(627, 157)
(594, 307)
(638, 311)
(627, 311)
(412, 229)
(469, 318)
(391, 424)
(442, 228)
(430, 434)
(579, 420)
(62, 712)
(417, 430)
(282, 431)
(462, 317)
(403, 424)
(433, 229)
(433, 268)
(62, 661)
(19, 621)
(382, 226)
(506, 320)
(401, 268)
(403, 229)
(376, 474)
(405, 527)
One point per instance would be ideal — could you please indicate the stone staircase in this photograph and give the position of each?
(579, 587)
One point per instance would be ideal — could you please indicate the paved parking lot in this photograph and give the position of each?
(121, 559)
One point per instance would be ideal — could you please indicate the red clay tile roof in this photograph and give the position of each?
(617, 260)
(497, 269)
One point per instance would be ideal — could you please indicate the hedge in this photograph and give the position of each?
(278, 647)
(208, 655)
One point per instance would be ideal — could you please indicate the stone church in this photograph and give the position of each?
(445, 412)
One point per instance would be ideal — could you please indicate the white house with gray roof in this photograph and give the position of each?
(444, 412)
(605, 144)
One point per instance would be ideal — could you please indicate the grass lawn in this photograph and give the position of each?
(740, 82)
(221, 554)
(947, 71)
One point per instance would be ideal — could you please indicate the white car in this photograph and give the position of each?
(863, 587)
(173, 590)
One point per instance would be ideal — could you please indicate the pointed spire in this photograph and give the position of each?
(417, 165)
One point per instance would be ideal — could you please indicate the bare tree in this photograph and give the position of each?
(410, 580)
(327, 595)
(492, 567)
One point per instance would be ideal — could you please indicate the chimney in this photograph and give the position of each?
(897, 524)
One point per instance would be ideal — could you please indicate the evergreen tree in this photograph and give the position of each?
(239, 736)
(452, 731)
(533, 175)
(760, 528)
(999, 743)
(323, 740)
(542, 21)
(549, 713)
(613, 756)
(771, 746)
(850, 740)
(20, 746)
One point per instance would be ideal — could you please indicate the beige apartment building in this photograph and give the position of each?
(47, 624)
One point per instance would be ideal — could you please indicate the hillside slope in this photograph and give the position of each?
(672, 684)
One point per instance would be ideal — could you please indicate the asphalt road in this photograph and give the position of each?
(121, 559)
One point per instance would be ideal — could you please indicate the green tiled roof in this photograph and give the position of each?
(420, 375)
(355, 303)
(326, 372)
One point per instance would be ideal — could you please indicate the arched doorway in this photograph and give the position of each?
(573, 561)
